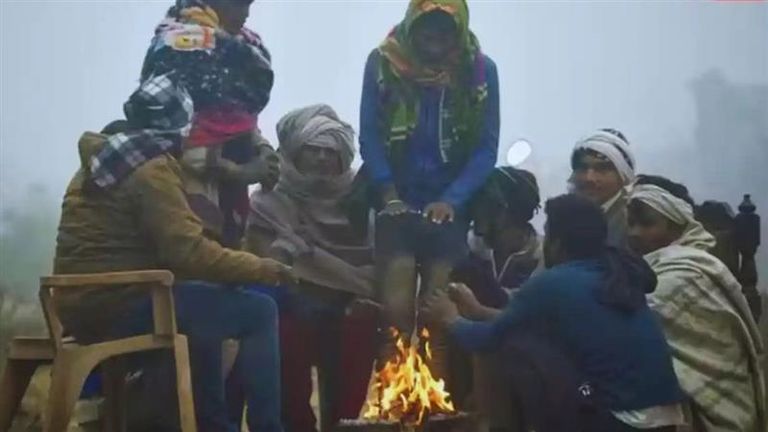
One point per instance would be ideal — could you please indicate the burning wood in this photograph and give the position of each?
(458, 422)
(404, 389)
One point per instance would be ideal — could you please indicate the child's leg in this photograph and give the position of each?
(442, 247)
(436, 275)
(395, 277)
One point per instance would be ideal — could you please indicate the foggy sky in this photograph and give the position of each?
(565, 68)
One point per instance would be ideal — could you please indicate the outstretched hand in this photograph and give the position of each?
(276, 273)
(395, 208)
(439, 309)
(465, 300)
(439, 212)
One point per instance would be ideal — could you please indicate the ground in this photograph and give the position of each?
(25, 319)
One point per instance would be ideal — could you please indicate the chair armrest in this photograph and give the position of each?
(104, 280)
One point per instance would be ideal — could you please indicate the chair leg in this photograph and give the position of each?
(115, 398)
(13, 385)
(69, 374)
(184, 384)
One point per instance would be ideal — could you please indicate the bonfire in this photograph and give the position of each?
(404, 390)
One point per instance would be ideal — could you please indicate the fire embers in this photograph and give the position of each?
(404, 389)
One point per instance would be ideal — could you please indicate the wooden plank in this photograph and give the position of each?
(162, 277)
(31, 349)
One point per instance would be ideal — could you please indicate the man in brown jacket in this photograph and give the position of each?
(126, 209)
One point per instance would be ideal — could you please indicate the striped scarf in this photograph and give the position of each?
(160, 113)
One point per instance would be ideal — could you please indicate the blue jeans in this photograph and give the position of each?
(208, 314)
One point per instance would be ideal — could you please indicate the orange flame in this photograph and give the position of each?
(404, 389)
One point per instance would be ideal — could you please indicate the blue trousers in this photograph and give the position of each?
(208, 314)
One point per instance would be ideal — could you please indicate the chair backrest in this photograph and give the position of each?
(159, 283)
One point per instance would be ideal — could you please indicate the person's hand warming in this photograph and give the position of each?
(439, 309)
(256, 170)
(395, 208)
(281, 254)
(264, 169)
(465, 301)
(276, 273)
(392, 204)
(439, 212)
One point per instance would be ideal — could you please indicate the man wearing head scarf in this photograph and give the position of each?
(226, 69)
(715, 342)
(504, 251)
(429, 127)
(603, 171)
(126, 209)
(302, 223)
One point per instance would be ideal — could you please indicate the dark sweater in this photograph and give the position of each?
(623, 355)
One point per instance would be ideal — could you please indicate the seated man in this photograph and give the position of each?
(125, 209)
(716, 346)
(589, 306)
(504, 251)
(603, 170)
(302, 223)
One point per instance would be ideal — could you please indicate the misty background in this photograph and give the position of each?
(686, 82)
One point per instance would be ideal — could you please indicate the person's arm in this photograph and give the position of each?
(263, 242)
(372, 147)
(485, 313)
(177, 233)
(483, 335)
(467, 303)
(483, 160)
(208, 162)
(258, 240)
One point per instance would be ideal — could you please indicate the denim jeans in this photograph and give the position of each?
(208, 314)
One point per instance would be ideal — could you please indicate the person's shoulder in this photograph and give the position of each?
(567, 274)
(489, 62)
(489, 65)
(163, 162)
(163, 169)
(373, 59)
(685, 263)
